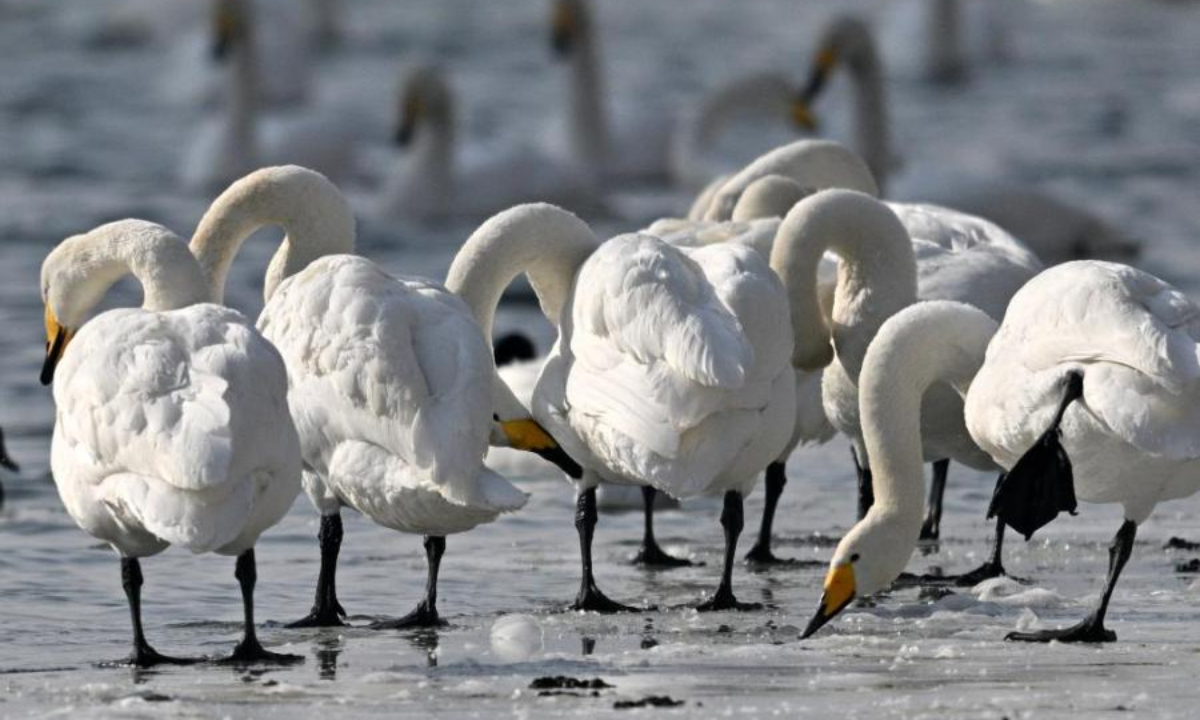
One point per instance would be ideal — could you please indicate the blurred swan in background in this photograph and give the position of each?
(172, 423)
(7, 463)
(433, 180)
(239, 139)
(1052, 228)
(946, 41)
(391, 381)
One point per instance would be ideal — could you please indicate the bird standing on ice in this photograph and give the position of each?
(391, 381)
(172, 423)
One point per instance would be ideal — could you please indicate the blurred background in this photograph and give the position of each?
(135, 108)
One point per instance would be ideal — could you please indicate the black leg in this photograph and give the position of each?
(326, 610)
(650, 554)
(732, 520)
(760, 554)
(425, 614)
(143, 655)
(993, 567)
(1092, 628)
(590, 597)
(931, 528)
(249, 651)
(866, 491)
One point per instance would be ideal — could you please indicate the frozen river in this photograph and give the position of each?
(1100, 104)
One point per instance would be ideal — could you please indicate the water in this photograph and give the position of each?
(1101, 105)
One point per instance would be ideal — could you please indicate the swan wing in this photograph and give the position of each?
(397, 363)
(1135, 338)
(189, 406)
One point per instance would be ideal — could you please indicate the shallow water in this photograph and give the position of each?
(1101, 104)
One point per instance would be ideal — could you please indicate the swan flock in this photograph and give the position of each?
(796, 300)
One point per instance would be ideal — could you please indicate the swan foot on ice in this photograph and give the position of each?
(993, 567)
(144, 656)
(651, 555)
(1092, 629)
(424, 615)
(760, 555)
(590, 599)
(249, 651)
(732, 520)
(326, 610)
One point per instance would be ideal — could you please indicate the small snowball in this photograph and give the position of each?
(516, 637)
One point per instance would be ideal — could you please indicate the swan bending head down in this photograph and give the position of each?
(924, 344)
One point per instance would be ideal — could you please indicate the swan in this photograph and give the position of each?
(890, 256)
(636, 150)
(238, 140)
(919, 348)
(669, 369)
(434, 183)
(391, 381)
(7, 463)
(953, 37)
(172, 423)
(956, 255)
(1088, 390)
(1055, 230)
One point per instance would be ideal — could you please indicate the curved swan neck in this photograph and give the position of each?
(769, 196)
(316, 218)
(927, 343)
(77, 273)
(813, 164)
(877, 274)
(587, 122)
(545, 242)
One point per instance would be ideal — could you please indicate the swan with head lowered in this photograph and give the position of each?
(434, 182)
(391, 381)
(1057, 231)
(238, 139)
(669, 369)
(1088, 390)
(172, 423)
(891, 256)
(922, 346)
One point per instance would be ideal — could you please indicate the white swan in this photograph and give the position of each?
(921, 347)
(1095, 370)
(433, 181)
(238, 140)
(172, 423)
(7, 463)
(669, 370)
(1053, 229)
(1088, 390)
(636, 149)
(891, 255)
(391, 381)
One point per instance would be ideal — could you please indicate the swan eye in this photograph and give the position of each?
(496, 417)
(854, 557)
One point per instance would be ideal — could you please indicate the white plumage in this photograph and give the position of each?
(172, 422)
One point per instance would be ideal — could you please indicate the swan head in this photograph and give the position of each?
(867, 560)
(568, 20)
(230, 27)
(424, 98)
(525, 433)
(847, 40)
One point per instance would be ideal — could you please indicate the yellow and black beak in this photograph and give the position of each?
(839, 591)
(823, 65)
(562, 27)
(57, 338)
(5, 460)
(410, 113)
(225, 30)
(529, 436)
